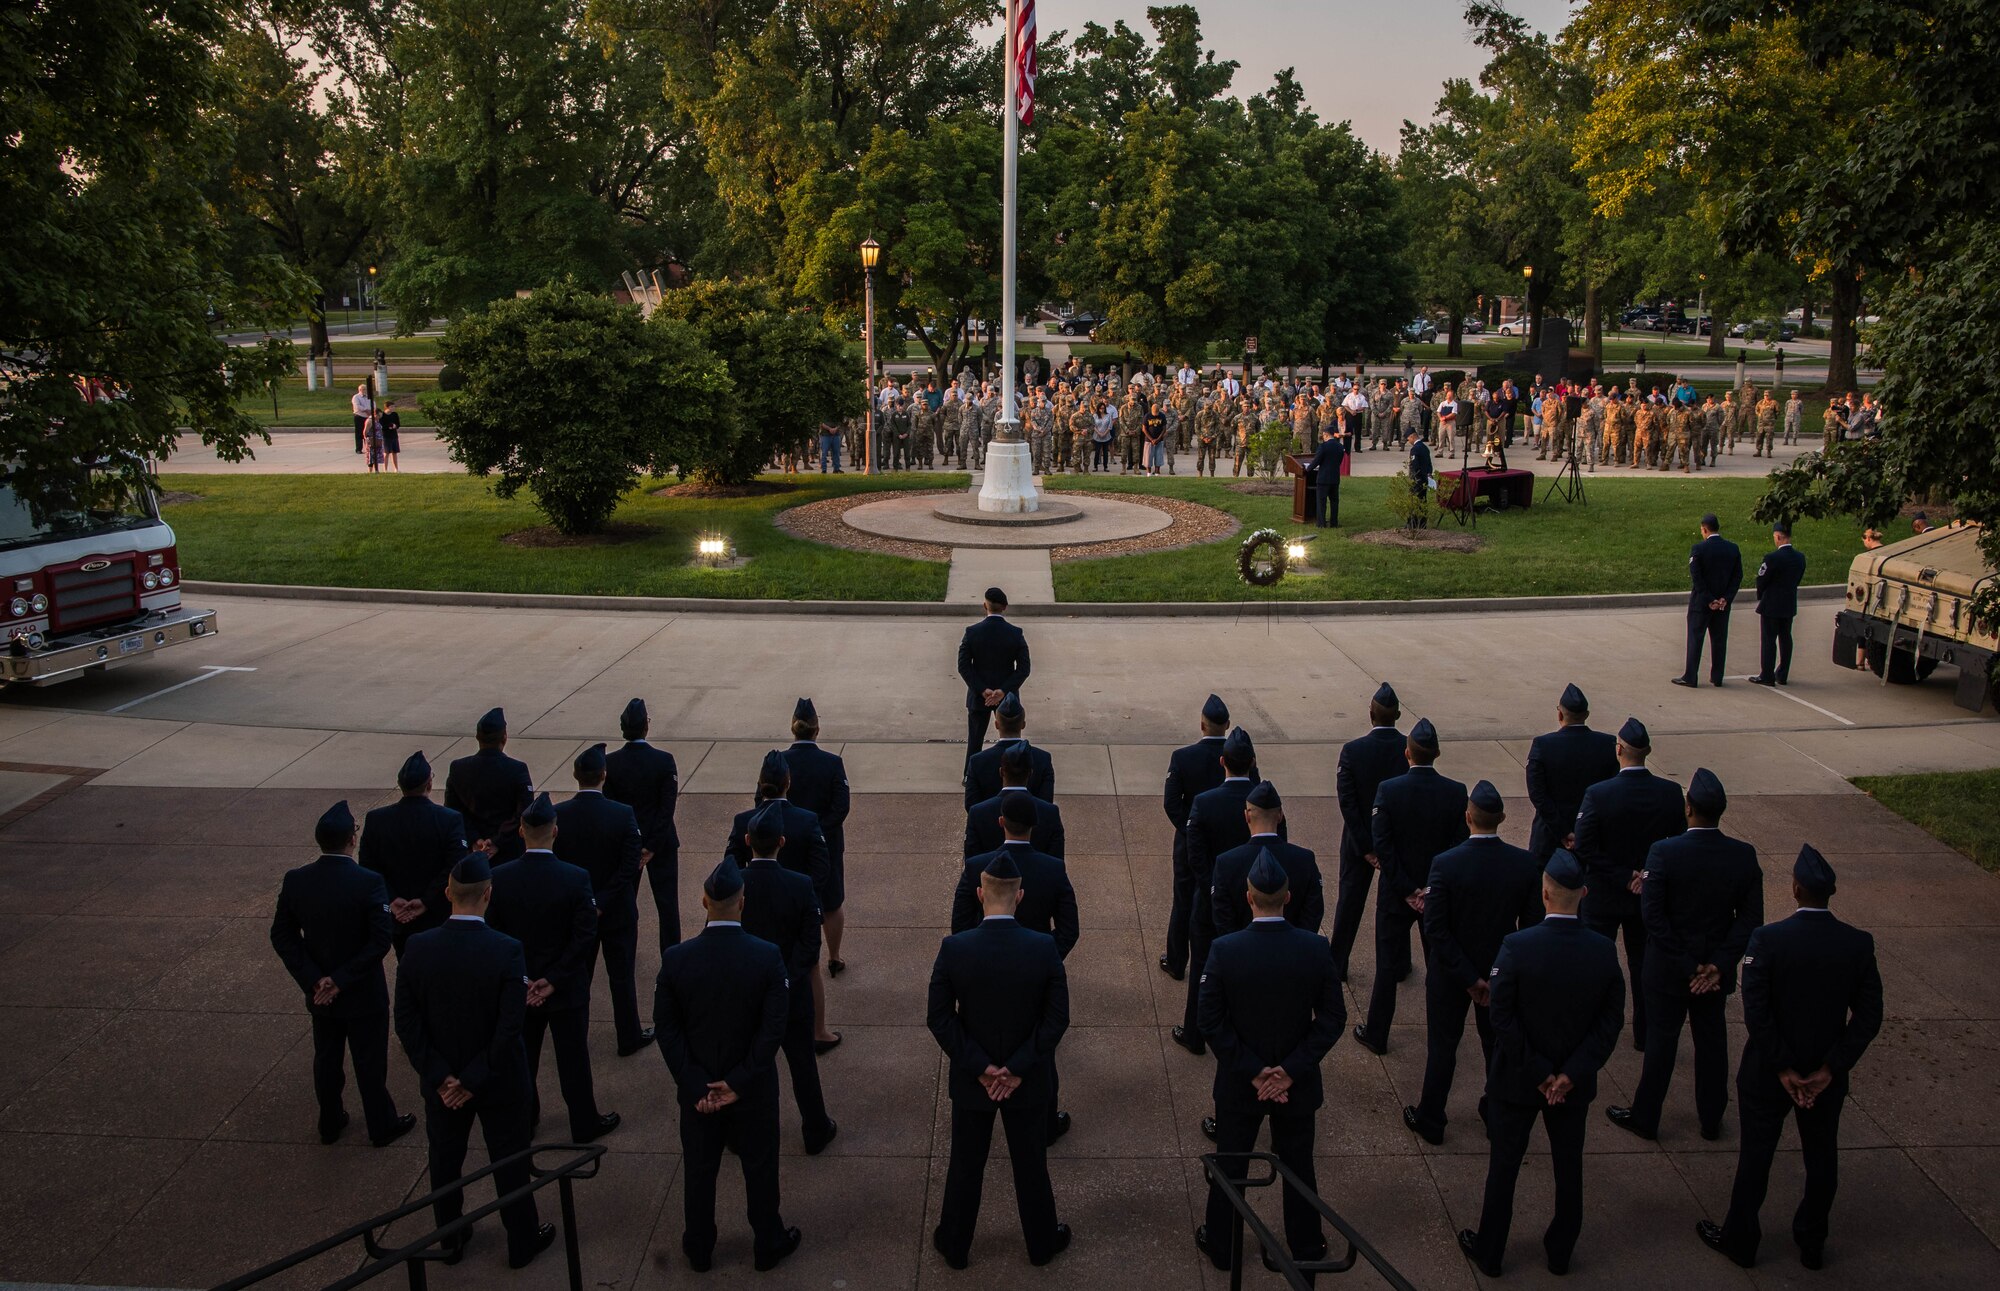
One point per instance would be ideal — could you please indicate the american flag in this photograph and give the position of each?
(1024, 58)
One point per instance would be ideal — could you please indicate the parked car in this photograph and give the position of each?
(1420, 330)
(1472, 326)
(1080, 324)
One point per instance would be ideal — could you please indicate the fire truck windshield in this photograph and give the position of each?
(103, 502)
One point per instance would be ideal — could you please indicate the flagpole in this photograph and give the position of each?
(1009, 483)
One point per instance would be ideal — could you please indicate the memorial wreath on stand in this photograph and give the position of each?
(1260, 561)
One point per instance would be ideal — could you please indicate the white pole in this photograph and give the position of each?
(1010, 114)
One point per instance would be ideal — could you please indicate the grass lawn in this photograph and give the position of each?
(298, 406)
(1958, 808)
(442, 532)
(1631, 537)
(396, 347)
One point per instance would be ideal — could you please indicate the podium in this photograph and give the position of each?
(1296, 466)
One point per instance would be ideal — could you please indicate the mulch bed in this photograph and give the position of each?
(1263, 488)
(1193, 524)
(754, 489)
(1423, 539)
(821, 522)
(612, 535)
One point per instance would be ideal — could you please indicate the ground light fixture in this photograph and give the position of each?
(714, 548)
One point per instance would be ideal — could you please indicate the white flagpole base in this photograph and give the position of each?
(1009, 486)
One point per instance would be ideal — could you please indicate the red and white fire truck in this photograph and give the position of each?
(91, 582)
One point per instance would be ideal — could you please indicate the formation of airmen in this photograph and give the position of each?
(500, 904)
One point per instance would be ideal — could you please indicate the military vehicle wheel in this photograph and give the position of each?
(1904, 665)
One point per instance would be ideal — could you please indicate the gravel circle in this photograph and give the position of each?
(821, 522)
(1192, 525)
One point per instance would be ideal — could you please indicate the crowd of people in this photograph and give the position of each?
(500, 906)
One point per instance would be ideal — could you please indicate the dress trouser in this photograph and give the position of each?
(749, 1128)
(1326, 501)
(977, 719)
(663, 874)
(1714, 625)
(802, 1058)
(367, 1039)
(1393, 920)
(1177, 919)
(1351, 907)
(1774, 640)
(1609, 908)
(1201, 935)
(570, 1030)
(1706, 1019)
(504, 1125)
(1763, 1105)
(1508, 1126)
(620, 947)
(360, 425)
(1292, 1135)
(965, 1176)
(1444, 1017)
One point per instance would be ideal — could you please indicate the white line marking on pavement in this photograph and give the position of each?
(1781, 691)
(208, 671)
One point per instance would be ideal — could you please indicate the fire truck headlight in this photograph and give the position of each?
(40, 604)
(18, 607)
(166, 578)
(152, 580)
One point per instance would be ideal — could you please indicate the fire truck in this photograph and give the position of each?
(89, 580)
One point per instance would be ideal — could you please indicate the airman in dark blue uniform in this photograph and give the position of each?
(720, 1008)
(332, 928)
(1048, 902)
(1365, 763)
(1271, 1006)
(1417, 815)
(1478, 894)
(1325, 471)
(1812, 1002)
(545, 904)
(992, 661)
(461, 994)
(999, 1004)
(982, 770)
(1193, 770)
(1702, 898)
(1715, 570)
(804, 852)
(1778, 579)
(1561, 765)
(1215, 825)
(1617, 824)
(602, 837)
(781, 907)
(489, 789)
(647, 780)
(819, 784)
(413, 843)
(982, 819)
(1558, 1001)
(1229, 908)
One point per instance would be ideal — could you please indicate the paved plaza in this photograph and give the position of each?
(156, 1118)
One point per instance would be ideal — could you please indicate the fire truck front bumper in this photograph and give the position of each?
(68, 657)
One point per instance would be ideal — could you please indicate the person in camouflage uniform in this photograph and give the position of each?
(1208, 434)
(1744, 423)
(1795, 415)
(1082, 421)
(1645, 425)
(1041, 425)
(923, 434)
(1243, 424)
(1590, 432)
(1555, 427)
(989, 419)
(1302, 419)
(1380, 402)
(1180, 421)
(1832, 425)
(1710, 425)
(1617, 428)
(1411, 416)
(1131, 430)
(949, 415)
(896, 448)
(1681, 423)
(1064, 405)
(1766, 413)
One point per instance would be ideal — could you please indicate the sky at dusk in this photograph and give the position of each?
(1371, 62)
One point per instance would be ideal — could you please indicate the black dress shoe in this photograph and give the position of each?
(1715, 681)
(824, 1047)
(1622, 1117)
(454, 1247)
(816, 1143)
(699, 1261)
(397, 1129)
(1178, 974)
(1711, 1237)
(1220, 1261)
(603, 1126)
(1683, 681)
(645, 1040)
(772, 1258)
(1056, 1247)
(1209, 1128)
(331, 1134)
(1059, 1127)
(1558, 1264)
(1361, 1038)
(1711, 1132)
(1763, 681)
(1189, 1041)
(835, 967)
(1433, 1137)
(544, 1238)
(950, 1260)
(1468, 1241)
(1813, 1257)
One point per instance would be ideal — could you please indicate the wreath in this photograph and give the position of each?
(1257, 567)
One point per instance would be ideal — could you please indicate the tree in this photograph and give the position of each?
(113, 114)
(572, 396)
(790, 373)
(1454, 249)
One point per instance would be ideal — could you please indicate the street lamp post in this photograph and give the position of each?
(1527, 307)
(374, 303)
(871, 253)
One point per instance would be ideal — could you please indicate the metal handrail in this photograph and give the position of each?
(582, 1165)
(1277, 1256)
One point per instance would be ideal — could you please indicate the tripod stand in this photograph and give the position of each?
(1465, 512)
(1568, 483)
